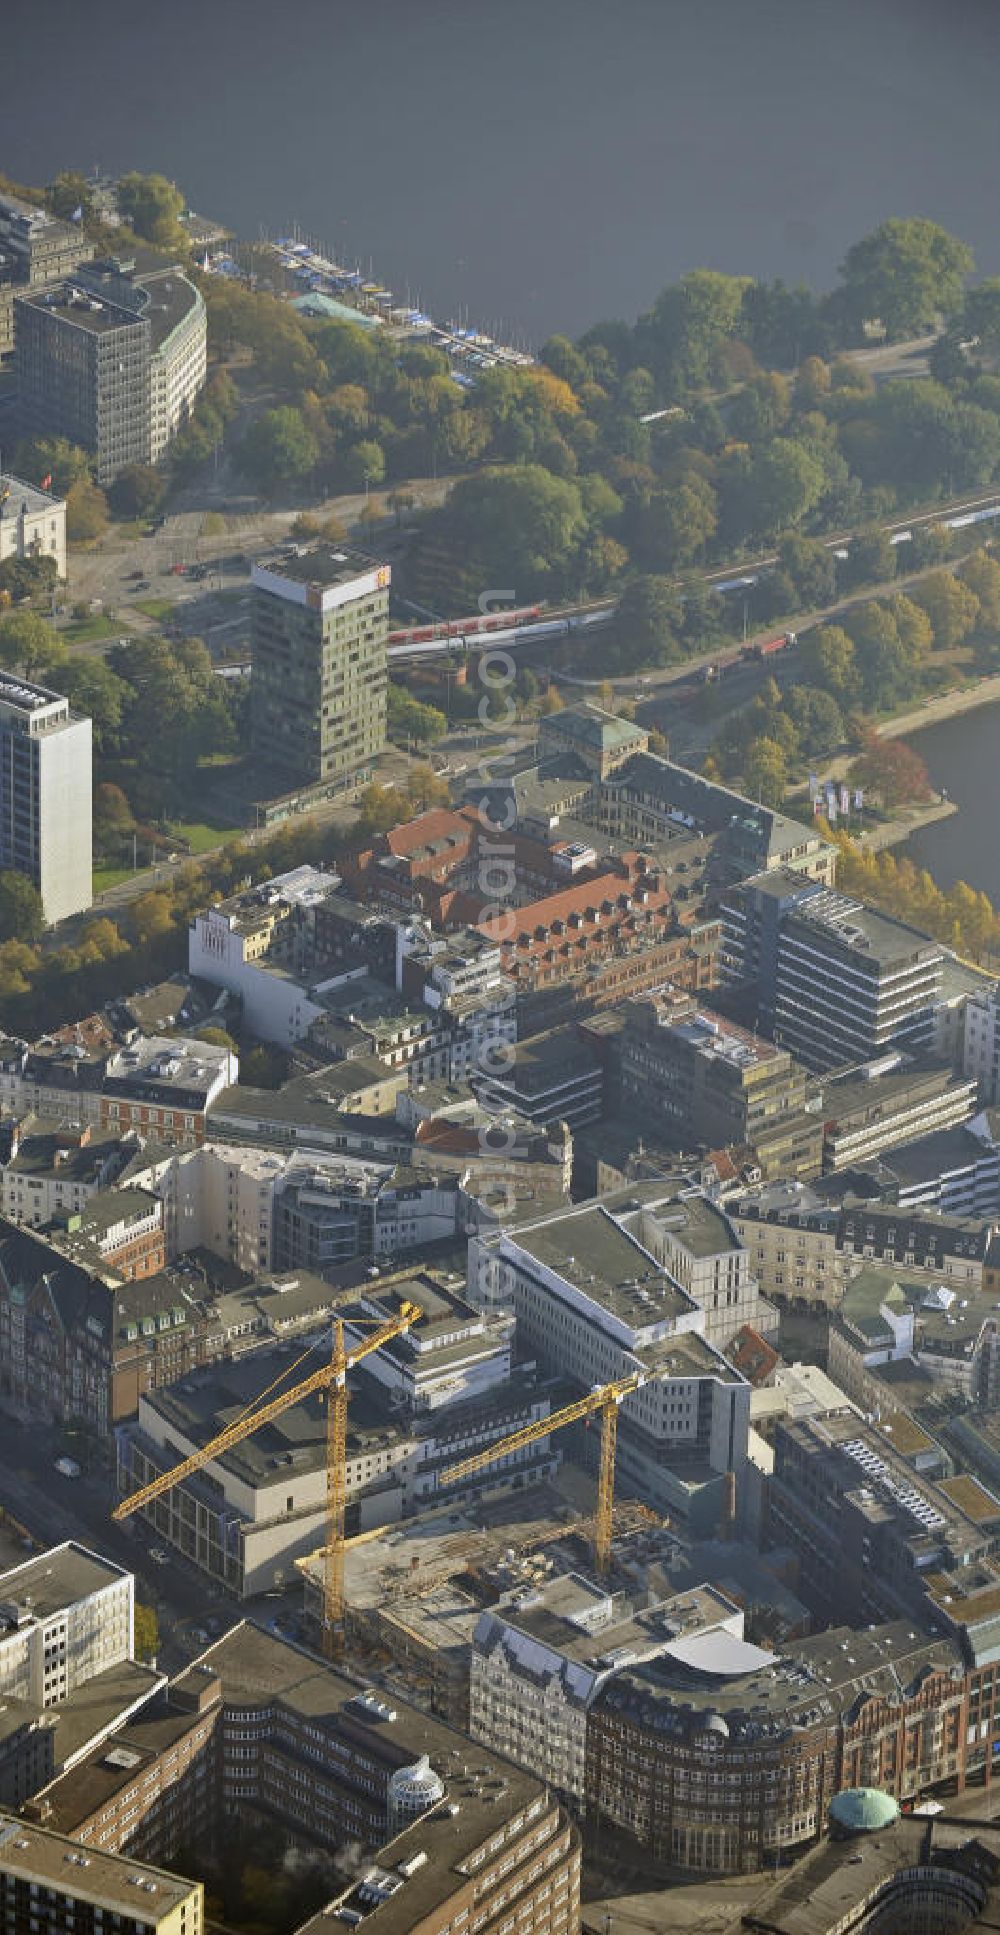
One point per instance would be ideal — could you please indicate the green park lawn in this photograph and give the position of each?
(86, 631)
(202, 837)
(154, 607)
(105, 877)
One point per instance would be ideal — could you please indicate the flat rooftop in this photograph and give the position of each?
(593, 1253)
(326, 565)
(720, 1040)
(942, 1152)
(122, 1886)
(762, 1695)
(101, 1704)
(172, 298)
(94, 313)
(695, 1222)
(876, 936)
(24, 696)
(58, 1578)
(115, 1763)
(830, 1886)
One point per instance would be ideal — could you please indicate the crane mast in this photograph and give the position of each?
(603, 1399)
(332, 1378)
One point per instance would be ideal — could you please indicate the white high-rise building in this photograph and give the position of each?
(46, 795)
(65, 1616)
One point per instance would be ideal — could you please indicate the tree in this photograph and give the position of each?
(929, 544)
(982, 575)
(151, 205)
(69, 193)
(817, 718)
(646, 625)
(913, 625)
(951, 606)
(871, 559)
(703, 612)
(681, 338)
(278, 449)
(888, 657)
(761, 408)
(559, 355)
(812, 568)
(29, 577)
(379, 809)
(93, 688)
(891, 768)
(408, 719)
(147, 1632)
(53, 457)
(364, 464)
(906, 274)
(138, 491)
(86, 512)
(981, 319)
(424, 788)
(27, 643)
(174, 713)
(218, 1038)
(370, 515)
(514, 526)
(783, 325)
(773, 488)
(672, 527)
(21, 915)
(765, 775)
(812, 384)
(112, 812)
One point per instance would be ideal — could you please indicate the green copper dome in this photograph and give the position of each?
(859, 1810)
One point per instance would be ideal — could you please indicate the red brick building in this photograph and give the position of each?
(614, 914)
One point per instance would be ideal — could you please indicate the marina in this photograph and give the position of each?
(329, 288)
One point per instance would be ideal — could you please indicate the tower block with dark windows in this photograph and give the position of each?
(318, 694)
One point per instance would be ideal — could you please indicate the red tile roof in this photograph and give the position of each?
(753, 1355)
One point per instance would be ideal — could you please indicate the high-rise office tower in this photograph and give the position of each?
(45, 795)
(318, 695)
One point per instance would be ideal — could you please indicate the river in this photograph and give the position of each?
(540, 163)
(963, 756)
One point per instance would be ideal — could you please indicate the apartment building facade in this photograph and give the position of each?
(111, 360)
(264, 1731)
(836, 983)
(593, 1303)
(318, 694)
(67, 1615)
(705, 1081)
(721, 1758)
(49, 1887)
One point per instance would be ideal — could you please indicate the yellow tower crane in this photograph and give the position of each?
(605, 1399)
(331, 1377)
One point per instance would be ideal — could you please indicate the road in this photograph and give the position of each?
(53, 1508)
(103, 573)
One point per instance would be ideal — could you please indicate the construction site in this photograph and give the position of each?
(413, 1595)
